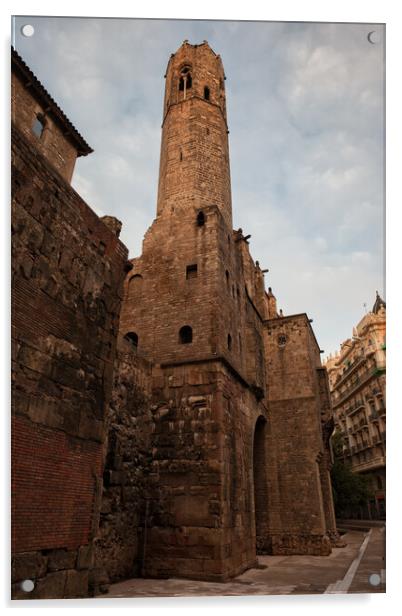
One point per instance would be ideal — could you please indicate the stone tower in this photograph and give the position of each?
(239, 461)
(190, 264)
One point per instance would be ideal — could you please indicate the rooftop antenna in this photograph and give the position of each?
(365, 308)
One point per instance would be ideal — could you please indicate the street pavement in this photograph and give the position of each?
(345, 570)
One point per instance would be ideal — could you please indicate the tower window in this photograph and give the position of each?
(185, 81)
(181, 155)
(227, 277)
(206, 93)
(191, 271)
(229, 342)
(200, 219)
(132, 338)
(39, 125)
(185, 335)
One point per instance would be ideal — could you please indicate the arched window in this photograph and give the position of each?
(185, 335)
(206, 93)
(132, 338)
(135, 286)
(229, 342)
(185, 81)
(200, 219)
(227, 278)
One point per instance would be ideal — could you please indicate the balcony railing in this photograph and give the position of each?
(357, 383)
(349, 370)
(374, 462)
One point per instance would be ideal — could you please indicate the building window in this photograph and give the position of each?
(206, 93)
(282, 339)
(185, 81)
(229, 342)
(227, 278)
(191, 271)
(132, 338)
(185, 335)
(39, 125)
(200, 219)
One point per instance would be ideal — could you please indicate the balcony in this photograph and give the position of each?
(373, 416)
(357, 383)
(372, 464)
(349, 370)
(363, 422)
(359, 404)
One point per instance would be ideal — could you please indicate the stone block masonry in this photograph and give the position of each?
(67, 273)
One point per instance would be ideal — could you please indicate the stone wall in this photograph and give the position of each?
(293, 361)
(67, 275)
(119, 545)
(200, 513)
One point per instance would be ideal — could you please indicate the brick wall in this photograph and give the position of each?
(67, 274)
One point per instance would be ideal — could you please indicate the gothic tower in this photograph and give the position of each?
(194, 164)
(191, 264)
(238, 460)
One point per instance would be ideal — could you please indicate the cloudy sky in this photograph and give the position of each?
(306, 118)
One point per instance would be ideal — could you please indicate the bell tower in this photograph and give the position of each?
(234, 384)
(194, 162)
(187, 274)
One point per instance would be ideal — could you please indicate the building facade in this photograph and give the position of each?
(357, 384)
(168, 421)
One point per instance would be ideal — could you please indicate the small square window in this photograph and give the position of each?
(191, 271)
